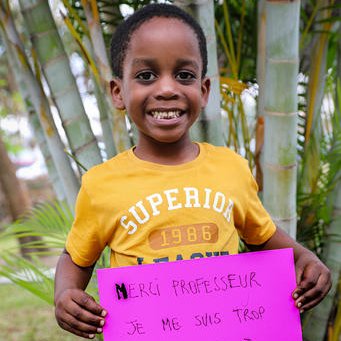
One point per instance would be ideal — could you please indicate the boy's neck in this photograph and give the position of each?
(167, 153)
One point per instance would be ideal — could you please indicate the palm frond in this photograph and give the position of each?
(51, 221)
(34, 277)
(235, 23)
(314, 208)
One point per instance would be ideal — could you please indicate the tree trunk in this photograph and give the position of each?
(17, 78)
(280, 108)
(16, 194)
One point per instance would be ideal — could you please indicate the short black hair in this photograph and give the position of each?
(122, 35)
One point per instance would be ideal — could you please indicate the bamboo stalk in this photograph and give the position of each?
(119, 129)
(55, 65)
(104, 110)
(33, 93)
(35, 124)
(43, 146)
(280, 108)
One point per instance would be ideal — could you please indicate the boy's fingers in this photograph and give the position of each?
(299, 273)
(77, 332)
(84, 316)
(88, 303)
(308, 279)
(309, 305)
(81, 326)
(313, 296)
(303, 287)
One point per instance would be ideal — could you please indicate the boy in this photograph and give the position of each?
(168, 198)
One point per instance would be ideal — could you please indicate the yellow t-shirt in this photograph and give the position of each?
(148, 213)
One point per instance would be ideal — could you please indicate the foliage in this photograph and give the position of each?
(51, 221)
(315, 211)
(30, 275)
(317, 122)
(235, 24)
(238, 53)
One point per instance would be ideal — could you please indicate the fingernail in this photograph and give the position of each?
(299, 304)
(103, 313)
(99, 330)
(102, 323)
(302, 311)
(91, 336)
(295, 295)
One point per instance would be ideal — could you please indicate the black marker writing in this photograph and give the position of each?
(121, 289)
(137, 328)
(207, 319)
(245, 315)
(171, 324)
(141, 290)
(217, 283)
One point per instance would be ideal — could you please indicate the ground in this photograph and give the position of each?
(24, 317)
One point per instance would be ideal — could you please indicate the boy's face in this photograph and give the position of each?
(161, 88)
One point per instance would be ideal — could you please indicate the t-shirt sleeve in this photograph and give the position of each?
(258, 225)
(84, 242)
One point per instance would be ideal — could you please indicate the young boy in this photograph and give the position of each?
(168, 198)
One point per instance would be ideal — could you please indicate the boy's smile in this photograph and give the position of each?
(162, 87)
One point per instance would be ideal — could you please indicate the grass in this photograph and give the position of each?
(25, 317)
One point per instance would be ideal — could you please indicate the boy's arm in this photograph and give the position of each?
(76, 311)
(312, 276)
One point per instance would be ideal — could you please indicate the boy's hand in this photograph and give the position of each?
(78, 313)
(312, 276)
(313, 281)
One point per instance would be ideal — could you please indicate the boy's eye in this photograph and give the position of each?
(146, 76)
(185, 76)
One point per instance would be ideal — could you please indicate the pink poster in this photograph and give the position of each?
(244, 297)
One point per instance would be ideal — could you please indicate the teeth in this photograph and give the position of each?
(166, 114)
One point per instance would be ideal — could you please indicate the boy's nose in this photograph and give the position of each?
(167, 88)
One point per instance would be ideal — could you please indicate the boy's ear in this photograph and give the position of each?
(116, 93)
(205, 91)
